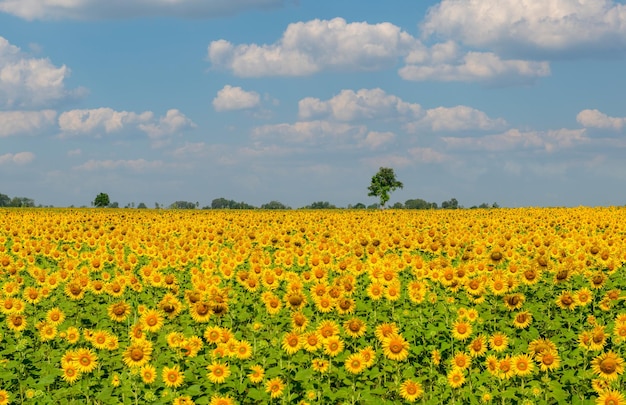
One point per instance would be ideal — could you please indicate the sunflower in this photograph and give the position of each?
(369, 356)
(478, 346)
(598, 338)
(172, 377)
(312, 341)
(395, 347)
(152, 320)
(100, 339)
(328, 329)
(498, 342)
(583, 296)
(16, 322)
(183, 400)
(324, 304)
(243, 351)
(148, 373)
(118, 311)
(55, 316)
(548, 360)
(213, 334)
(539, 346)
(435, 357)
(522, 320)
(523, 365)
(611, 397)
(5, 397)
(385, 329)
(599, 385)
(513, 301)
(70, 373)
(272, 304)
(275, 387)
(619, 333)
(354, 327)
(291, 343)
(170, 305)
(492, 363)
(320, 365)
(299, 322)
(86, 360)
(456, 378)
(218, 372)
(333, 346)
(354, 363)
(461, 360)
(411, 390)
(47, 332)
(219, 400)
(256, 374)
(608, 365)
(200, 312)
(138, 353)
(192, 346)
(175, 339)
(72, 335)
(461, 330)
(375, 291)
(566, 300)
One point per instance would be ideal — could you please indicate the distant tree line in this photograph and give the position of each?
(6, 201)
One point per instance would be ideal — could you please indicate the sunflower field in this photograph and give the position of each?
(495, 306)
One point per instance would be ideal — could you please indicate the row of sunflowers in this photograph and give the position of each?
(306, 307)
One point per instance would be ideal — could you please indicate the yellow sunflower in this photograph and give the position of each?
(608, 365)
(256, 374)
(354, 363)
(411, 390)
(395, 347)
(172, 377)
(611, 397)
(218, 372)
(275, 387)
(148, 373)
(138, 353)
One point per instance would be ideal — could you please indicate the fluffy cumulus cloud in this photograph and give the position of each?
(597, 119)
(486, 67)
(172, 123)
(350, 105)
(25, 122)
(20, 158)
(99, 121)
(97, 9)
(549, 141)
(235, 98)
(459, 118)
(30, 82)
(309, 47)
(530, 26)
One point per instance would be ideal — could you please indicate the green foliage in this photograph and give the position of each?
(222, 204)
(183, 205)
(419, 204)
(383, 183)
(275, 205)
(102, 200)
(320, 205)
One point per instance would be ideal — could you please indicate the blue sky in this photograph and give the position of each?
(520, 102)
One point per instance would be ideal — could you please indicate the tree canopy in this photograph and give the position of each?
(383, 183)
(102, 200)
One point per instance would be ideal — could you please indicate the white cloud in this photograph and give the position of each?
(375, 140)
(20, 158)
(133, 165)
(309, 47)
(548, 141)
(30, 82)
(235, 98)
(597, 119)
(523, 26)
(349, 105)
(173, 122)
(25, 122)
(74, 152)
(473, 67)
(457, 118)
(311, 132)
(97, 9)
(427, 155)
(99, 119)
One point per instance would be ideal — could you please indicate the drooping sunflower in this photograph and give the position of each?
(172, 377)
(148, 373)
(522, 319)
(328, 329)
(354, 363)
(566, 300)
(608, 365)
(200, 311)
(411, 390)
(514, 301)
(385, 329)
(275, 387)
(257, 373)
(478, 346)
(395, 347)
(538, 346)
(218, 372)
(138, 353)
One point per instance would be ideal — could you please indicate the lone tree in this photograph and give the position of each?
(102, 200)
(383, 183)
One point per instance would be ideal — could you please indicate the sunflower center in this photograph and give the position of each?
(136, 354)
(293, 341)
(172, 377)
(152, 321)
(598, 338)
(462, 328)
(567, 300)
(547, 359)
(608, 366)
(395, 348)
(17, 321)
(202, 309)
